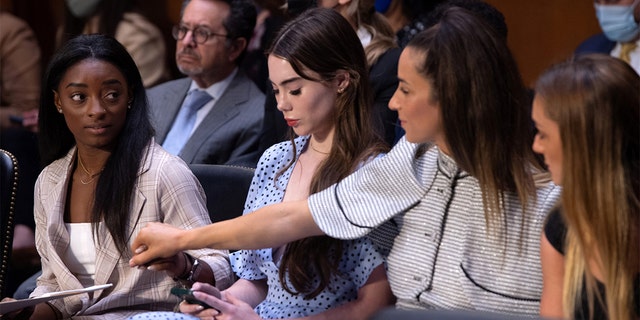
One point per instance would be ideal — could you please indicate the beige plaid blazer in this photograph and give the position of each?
(166, 191)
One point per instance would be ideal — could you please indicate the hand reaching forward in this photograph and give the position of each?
(227, 307)
(155, 241)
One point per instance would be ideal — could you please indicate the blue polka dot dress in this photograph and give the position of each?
(359, 257)
(162, 316)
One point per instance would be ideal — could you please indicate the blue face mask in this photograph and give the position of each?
(617, 22)
(382, 5)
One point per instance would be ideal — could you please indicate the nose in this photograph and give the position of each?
(282, 104)
(537, 146)
(188, 39)
(393, 103)
(96, 109)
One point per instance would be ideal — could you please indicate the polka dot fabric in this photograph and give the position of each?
(359, 257)
(162, 316)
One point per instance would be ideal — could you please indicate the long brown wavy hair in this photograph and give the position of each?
(595, 100)
(484, 106)
(323, 42)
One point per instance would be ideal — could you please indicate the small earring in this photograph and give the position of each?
(341, 90)
(59, 110)
(129, 106)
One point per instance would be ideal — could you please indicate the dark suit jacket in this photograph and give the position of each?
(598, 43)
(229, 133)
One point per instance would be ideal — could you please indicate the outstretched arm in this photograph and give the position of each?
(270, 226)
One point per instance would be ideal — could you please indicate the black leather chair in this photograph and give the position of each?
(226, 188)
(8, 191)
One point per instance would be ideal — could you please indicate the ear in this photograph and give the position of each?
(235, 49)
(56, 100)
(343, 80)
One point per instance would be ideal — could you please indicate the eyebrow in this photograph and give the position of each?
(73, 84)
(82, 85)
(188, 25)
(112, 81)
(536, 124)
(285, 82)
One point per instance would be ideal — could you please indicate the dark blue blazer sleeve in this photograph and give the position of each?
(598, 43)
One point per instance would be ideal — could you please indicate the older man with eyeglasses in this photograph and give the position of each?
(215, 114)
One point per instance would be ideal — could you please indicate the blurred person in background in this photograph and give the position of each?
(406, 17)
(271, 16)
(215, 114)
(20, 72)
(378, 40)
(620, 37)
(122, 20)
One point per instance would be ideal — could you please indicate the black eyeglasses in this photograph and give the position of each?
(199, 34)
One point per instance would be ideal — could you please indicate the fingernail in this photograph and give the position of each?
(199, 308)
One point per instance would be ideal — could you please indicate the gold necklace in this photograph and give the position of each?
(91, 176)
(316, 150)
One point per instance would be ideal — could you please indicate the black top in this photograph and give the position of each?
(383, 77)
(555, 230)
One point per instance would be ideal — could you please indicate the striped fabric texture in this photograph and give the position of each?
(445, 256)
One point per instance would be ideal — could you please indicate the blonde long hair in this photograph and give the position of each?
(595, 99)
(363, 14)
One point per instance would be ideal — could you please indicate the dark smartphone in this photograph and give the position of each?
(186, 294)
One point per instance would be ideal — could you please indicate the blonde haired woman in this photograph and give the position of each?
(586, 111)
